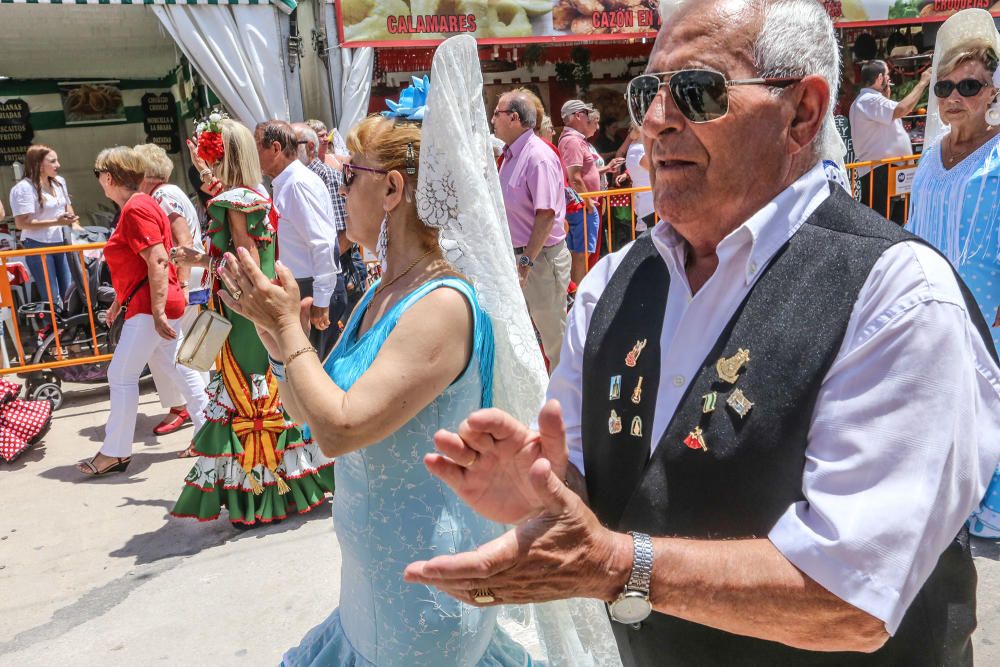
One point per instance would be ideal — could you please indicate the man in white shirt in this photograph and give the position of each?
(787, 402)
(878, 134)
(307, 234)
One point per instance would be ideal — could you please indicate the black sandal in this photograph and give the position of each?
(121, 465)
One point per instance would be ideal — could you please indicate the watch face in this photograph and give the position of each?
(631, 608)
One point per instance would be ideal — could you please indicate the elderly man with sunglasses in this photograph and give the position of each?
(777, 408)
(877, 133)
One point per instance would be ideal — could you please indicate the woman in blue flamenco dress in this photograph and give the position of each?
(956, 191)
(443, 333)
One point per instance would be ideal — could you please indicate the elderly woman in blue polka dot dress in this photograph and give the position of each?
(956, 199)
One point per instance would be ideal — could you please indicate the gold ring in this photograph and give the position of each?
(483, 596)
(236, 294)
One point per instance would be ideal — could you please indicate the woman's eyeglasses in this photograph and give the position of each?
(965, 88)
(348, 169)
(701, 95)
(98, 172)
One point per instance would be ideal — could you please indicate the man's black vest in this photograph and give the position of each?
(792, 324)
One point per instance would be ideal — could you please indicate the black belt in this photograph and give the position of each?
(520, 250)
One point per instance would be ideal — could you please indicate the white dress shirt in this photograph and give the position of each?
(307, 236)
(906, 429)
(876, 135)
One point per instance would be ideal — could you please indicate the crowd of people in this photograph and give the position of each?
(730, 395)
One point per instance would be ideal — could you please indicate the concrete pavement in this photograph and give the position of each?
(96, 573)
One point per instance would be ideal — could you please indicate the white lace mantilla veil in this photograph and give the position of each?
(969, 26)
(458, 191)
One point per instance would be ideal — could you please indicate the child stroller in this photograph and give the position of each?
(73, 322)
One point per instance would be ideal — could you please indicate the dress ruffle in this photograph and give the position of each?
(256, 208)
(217, 478)
(326, 645)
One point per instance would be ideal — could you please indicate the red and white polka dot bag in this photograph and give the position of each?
(22, 423)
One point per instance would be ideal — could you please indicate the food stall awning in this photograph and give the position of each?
(286, 5)
(862, 13)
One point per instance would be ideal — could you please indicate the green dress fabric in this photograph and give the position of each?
(217, 478)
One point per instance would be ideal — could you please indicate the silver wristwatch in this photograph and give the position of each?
(632, 605)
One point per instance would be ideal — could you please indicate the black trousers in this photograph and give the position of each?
(324, 340)
(875, 188)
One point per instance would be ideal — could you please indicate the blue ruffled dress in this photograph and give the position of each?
(958, 211)
(390, 511)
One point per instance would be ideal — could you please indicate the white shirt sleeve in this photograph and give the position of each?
(878, 108)
(316, 212)
(566, 383)
(903, 441)
(23, 199)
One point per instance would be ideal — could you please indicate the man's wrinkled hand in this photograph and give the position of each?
(562, 553)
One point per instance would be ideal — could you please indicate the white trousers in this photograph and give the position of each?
(141, 345)
(171, 395)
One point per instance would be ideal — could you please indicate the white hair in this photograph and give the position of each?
(797, 38)
(305, 133)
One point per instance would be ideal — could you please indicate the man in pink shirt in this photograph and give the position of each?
(580, 161)
(531, 179)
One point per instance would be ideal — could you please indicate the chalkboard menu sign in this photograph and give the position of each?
(15, 131)
(160, 121)
(843, 125)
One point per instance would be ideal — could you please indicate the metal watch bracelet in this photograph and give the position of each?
(642, 562)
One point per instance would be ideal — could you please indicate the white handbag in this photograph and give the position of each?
(204, 341)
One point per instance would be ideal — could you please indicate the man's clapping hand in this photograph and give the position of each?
(487, 462)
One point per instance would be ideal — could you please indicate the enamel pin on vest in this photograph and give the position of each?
(615, 392)
(633, 357)
(696, 440)
(708, 402)
(637, 393)
(739, 403)
(636, 429)
(729, 368)
(614, 423)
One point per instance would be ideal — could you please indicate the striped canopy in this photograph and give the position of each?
(285, 5)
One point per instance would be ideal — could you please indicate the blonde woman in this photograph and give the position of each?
(253, 460)
(186, 231)
(149, 298)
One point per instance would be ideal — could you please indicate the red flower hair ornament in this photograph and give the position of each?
(209, 137)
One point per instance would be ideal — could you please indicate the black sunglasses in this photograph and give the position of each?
(347, 170)
(701, 95)
(965, 87)
(98, 172)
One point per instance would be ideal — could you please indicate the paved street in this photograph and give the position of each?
(95, 573)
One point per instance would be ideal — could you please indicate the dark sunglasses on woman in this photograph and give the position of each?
(965, 87)
(701, 95)
(347, 170)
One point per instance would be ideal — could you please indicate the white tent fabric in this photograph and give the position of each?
(237, 50)
(356, 86)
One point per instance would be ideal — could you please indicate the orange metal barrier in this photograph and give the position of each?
(900, 177)
(82, 347)
(607, 199)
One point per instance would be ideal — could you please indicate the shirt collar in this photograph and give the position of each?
(760, 237)
(514, 149)
(569, 130)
